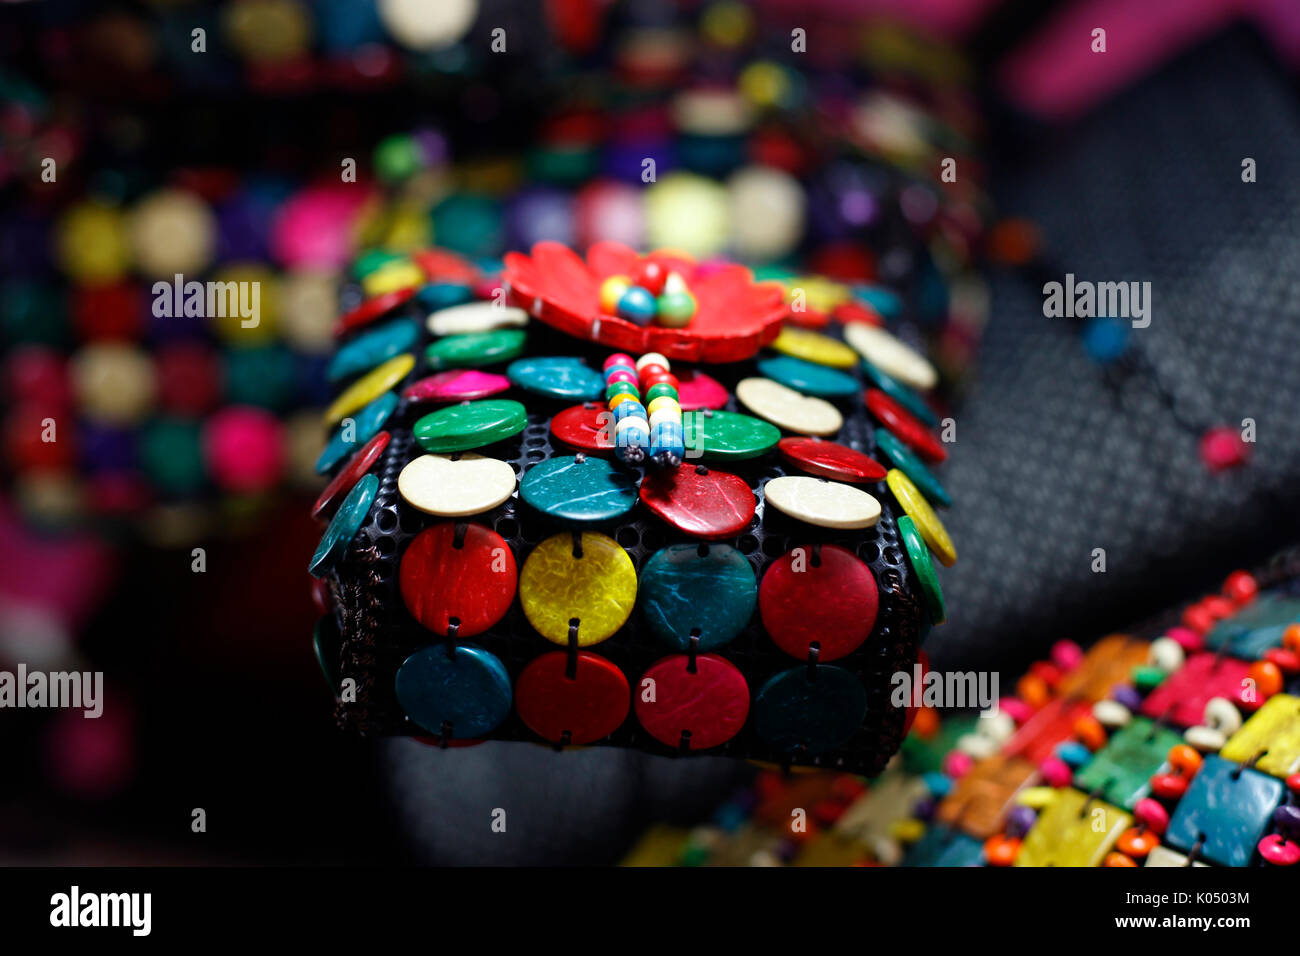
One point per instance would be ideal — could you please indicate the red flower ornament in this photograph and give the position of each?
(735, 317)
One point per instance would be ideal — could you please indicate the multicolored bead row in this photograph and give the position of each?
(653, 429)
(654, 294)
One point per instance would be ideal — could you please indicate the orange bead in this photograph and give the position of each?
(1118, 859)
(1137, 842)
(1090, 732)
(1291, 637)
(1001, 850)
(926, 724)
(1267, 677)
(1184, 758)
(1033, 690)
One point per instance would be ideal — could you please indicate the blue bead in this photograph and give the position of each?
(372, 348)
(468, 689)
(366, 425)
(1229, 805)
(637, 305)
(557, 377)
(345, 524)
(684, 592)
(1105, 339)
(667, 439)
(1073, 753)
(939, 784)
(585, 491)
(443, 295)
(632, 409)
(818, 712)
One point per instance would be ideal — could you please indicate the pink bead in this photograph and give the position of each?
(1066, 655)
(1056, 772)
(244, 449)
(1152, 814)
(620, 375)
(1015, 708)
(1186, 638)
(1222, 448)
(317, 226)
(619, 358)
(958, 763)
(1279, 851)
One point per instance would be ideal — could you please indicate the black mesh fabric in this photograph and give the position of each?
(1056, 455)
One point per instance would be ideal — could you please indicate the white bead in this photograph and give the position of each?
(1111, 713)
(660, 415)
(1204, 739)
(1165, 655)
(1221, 715)
(674, 282)
(887, 851)
(977, 746)
(632, 431)
(652, 358)
(997, 727)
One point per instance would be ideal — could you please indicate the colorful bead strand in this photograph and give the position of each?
(659, 389)
(630, 420)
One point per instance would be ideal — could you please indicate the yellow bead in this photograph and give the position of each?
(814, 347)
(927, 522)
(663, 401)
(1274, 732)
(764, 83)
(1036, 797)
(248, 313)
(392, 276)
(907, 831)
(619, 399)
(92, 243)
(114, 382)
(611, 290)
(1073, 831)
(369, 387)
(819, 293)
(598, 589)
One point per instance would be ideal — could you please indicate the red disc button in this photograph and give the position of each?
(350, 474)
(695, 390)
(473, 583)
(829, 459)
(818, 595)
(584, 426)
(904, 426)
(700, 502)
(696, 710)
(587, 706)
(373, 308)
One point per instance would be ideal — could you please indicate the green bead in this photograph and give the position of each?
(473, 349)
(171, 453)
(1146, 677)
(620, 388)
(728, 436)
(663, 388)
(472, 425)
(398, 157)
(675, 309)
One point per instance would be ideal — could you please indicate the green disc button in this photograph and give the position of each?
(473, 349)
(728, 436)
(471, 425)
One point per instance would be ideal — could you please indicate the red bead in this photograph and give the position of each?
(1169, 786)
(1293, 783)
(1218, 607)
(587, 427)
(828, 459)
(699, 502)
(37, 373)
(1279, 851)
(587, 706)
(659, 378)
(25, 430)
(650, 275)
(1240, 587)
(820, 595)
(652, 369)
(692, 709)
(905, 427)
(349, 475)
(1284, 659)
(1222, 448)
(696, 390)
(473, 583)
(189, 378)
(1151, 814)
(1198, 618)
(1048, 671)
(373, 308)
(109, 311)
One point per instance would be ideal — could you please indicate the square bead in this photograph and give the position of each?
(1073, 831)
(942, 846)
(982, 797)
(1122, 768)
(1256, 627)
(1185, 692)
(1163, 856)
(1108, 662)
(1051, 724)
(1226, 806)
(1275, 730)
